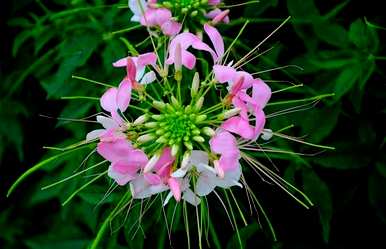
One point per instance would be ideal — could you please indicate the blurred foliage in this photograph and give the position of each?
(339, 50)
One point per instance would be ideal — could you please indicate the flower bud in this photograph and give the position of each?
(151, 125)
(175, 149)
(185, 159)
(161, 140)
(208, 131)
(141, 119)
(157, 117)
(199, 103)
(199, 139)
(145, 138)
(229, 113)
(159, 105)
(188, 145)
(195, 84)
(201, 118)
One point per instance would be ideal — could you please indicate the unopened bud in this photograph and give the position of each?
(208, 131)
(159, 105)
(145, 138)
(141, 119)
(174, 101)
(230, 113)
(161, 140)
(157, 117)
(160, 132)
(175, 149)
(188, 145)
(185, 159)
(199, 103)
(196, 132)
(195, 84)
(199, 139)
(151, 124)
(201, 118)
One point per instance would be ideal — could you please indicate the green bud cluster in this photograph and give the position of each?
(187, 7)
(177, 126)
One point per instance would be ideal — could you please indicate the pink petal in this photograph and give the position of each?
(221, 17)
(260, 122)
(124, 168)
(261, 93)
(214, 2)
(224, 73)
(152, 179)
(175, 187)
(108, 100)
(137, 158)
(121, 62)
(171, 28)
(216, 39)
(115, 151)
(124, 95)
(229, 162)
(165, 159)
(188, 59)
(239, 126)
(131, 69)
(223, 143)
(146, 59)
(163, 15)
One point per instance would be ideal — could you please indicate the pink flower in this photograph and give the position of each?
(162, 18)
(186, 40)
(125, 160)
(239, 82)
(225, 144)
(140, 63)
(160, 175)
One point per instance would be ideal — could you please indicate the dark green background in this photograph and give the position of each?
(339, 50)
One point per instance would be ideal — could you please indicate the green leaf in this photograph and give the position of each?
(358, 34)
(331, 33)
(346, 80)
(319, 193)
(20, 39)
(319, 123)
(245, 234)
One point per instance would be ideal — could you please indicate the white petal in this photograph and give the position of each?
(180, 172)
(198, 157)
(95, 134)
(148, 78)
(106, 122)
(266, 134)
(206, 183)
(201, 167)
(190, 197)
(167, 199)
